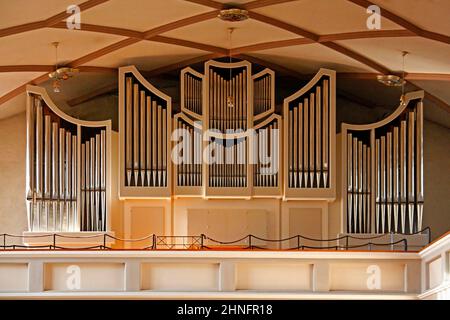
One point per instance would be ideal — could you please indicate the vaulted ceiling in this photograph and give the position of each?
(293, 37)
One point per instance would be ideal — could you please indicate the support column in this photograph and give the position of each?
(321, 277)
(227, 276)
(132, 275)
(36, 276)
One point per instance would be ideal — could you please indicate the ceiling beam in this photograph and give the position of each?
(247, 6)
(50, 68)
(322, 38)
(114, 47)
(146, 35)
(49, 22)
(64, 15)
(250, 48)
(92, 95)
(141, 36)
(104, 29)
(103, 51)
(271, 45)
(27, 68)
(276, 67)
(190, 44)
(283, 25)
(17, 91)
(404, 23)
(180, 23)
(437, 101)
(262, 3)
(303, 77)
(444, 77)
(408, 76)
(181, 64)
(332, 45)
(356, 56)
(368, 34)
(147, 74)
(208, 3)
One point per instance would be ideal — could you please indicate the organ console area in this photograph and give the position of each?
(227, 163)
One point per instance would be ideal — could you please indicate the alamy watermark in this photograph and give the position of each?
(74, 20)
(232, 147)
(374, 20)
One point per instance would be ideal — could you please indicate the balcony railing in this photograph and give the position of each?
(56, 241)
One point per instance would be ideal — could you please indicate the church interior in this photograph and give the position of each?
(206, 149)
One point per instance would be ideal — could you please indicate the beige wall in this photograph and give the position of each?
(436, 178)
(13, 217)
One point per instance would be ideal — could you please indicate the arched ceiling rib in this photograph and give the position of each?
(158, 34)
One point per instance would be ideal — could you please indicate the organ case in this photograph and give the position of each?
(66, 190)
(230, 113)
(228, 116)
(145, 126)
(382, 165)
(309, 135)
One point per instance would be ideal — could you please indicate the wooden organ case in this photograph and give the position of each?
(68, 169)
(227, 137)
(310, 135)
(382, 165)
(145, 128)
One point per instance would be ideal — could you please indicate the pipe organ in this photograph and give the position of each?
(227, 138)
(383, 166)
(68, 163)
(227, 141)
(309, 132)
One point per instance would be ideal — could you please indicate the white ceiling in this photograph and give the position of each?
(321, 17)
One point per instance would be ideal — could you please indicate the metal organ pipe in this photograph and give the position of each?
(388, 180)
(377, 185)
(301, 152)
(349, 182)
(135, 133)
(306, 167)
(419, 165)
(318, 135)
(395, 185)
(325, 126)
(411, 164)
(129, 126)
(311, 139)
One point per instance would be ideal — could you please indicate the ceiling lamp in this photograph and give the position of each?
(391, 80)
(230, 98)
(233, 15)
(59, 74)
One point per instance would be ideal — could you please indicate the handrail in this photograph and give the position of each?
(197, 242)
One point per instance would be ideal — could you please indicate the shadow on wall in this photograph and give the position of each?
(13, 216)
(437, 178)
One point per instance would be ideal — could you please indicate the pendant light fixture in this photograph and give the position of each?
(230, 98)
(59, 74)
(391, 80)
